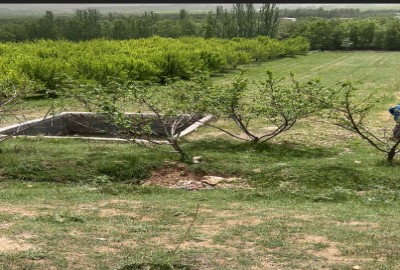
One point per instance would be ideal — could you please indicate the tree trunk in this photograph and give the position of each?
(392, 152)
(184, 156)
(390, 156)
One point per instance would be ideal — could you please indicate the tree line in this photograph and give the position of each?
(343, 34)
(243, 20)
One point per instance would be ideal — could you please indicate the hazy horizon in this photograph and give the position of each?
(23, 9)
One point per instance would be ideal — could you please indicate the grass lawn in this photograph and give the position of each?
(314, 198)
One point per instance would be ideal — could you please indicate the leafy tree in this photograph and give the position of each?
(251, 21)
(187, 27)
(269, 23)
(230, 26)
(13, 88)
(392, 35)
(173, 106)
(145, 25)
(279, 103)
(219, 22)
(120, 29)
(239, 14)
(47, 26)
(210, 26)
(88, 22)
(346, 110)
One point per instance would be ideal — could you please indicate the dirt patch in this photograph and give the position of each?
(265, 264)
(250, 221)
(118, 202)
(114, 208)
(108, 205)
(202, 244)
(76, 233)
(178, 176)
(294, 224)
(18, 210)
(171, 175)
(6, 225)
(202, 233)
(8, 245)
(359, 225)
(367, 224)
(328, 252)
(77, 260)
(304, 217)
(115, 212)
(106, 249)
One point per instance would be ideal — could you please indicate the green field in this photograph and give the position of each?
(316, 197)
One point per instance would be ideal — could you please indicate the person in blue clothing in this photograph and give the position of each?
(395, 111)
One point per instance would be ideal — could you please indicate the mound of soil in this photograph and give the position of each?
(179, 177)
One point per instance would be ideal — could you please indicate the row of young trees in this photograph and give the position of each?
(340, 34)
(243, 20)
(53, 65)
(276, 103)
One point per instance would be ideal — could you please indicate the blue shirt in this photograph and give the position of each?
(395, 111)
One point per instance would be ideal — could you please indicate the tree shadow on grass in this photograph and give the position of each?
(281, 150)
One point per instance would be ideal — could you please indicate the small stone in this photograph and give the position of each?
(258, 170)
(101, 239)
(357, 267)
(357, 161)
(198, 159)
(212, 180)
(184, 184)
(181, 167)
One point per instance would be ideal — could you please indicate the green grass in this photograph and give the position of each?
(62, 160)
(321, 198)
(67, 226)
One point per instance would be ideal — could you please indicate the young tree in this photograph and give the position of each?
(346, 110)
(276, 102)
(10, 96)
(13, 89)
(173, 106)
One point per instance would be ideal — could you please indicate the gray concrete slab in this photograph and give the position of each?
(86, 125)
